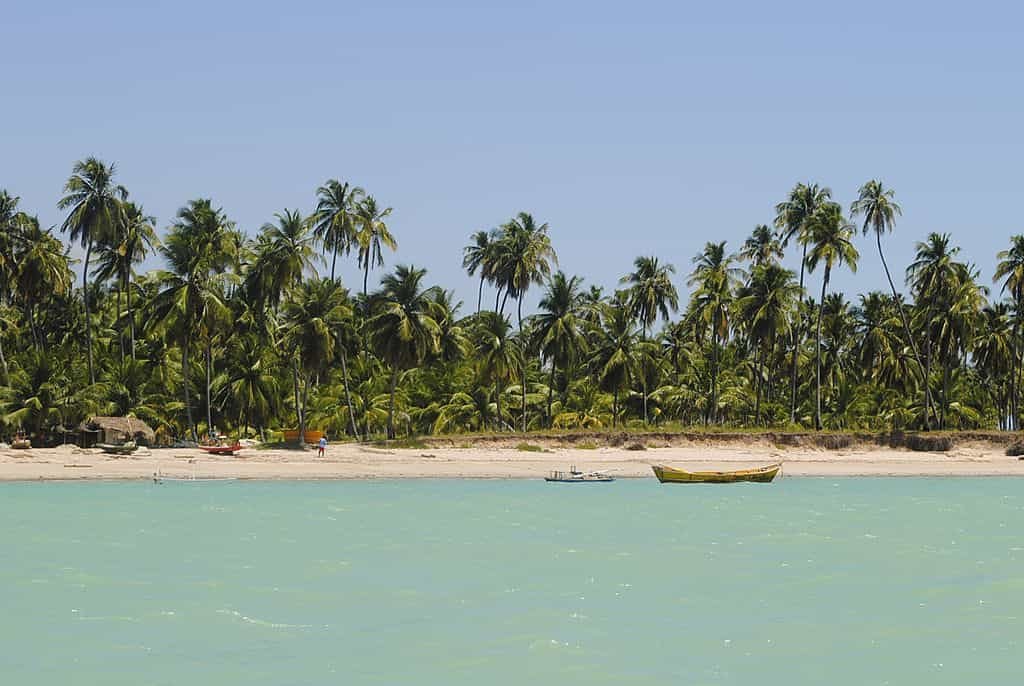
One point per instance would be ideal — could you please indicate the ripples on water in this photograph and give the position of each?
(850, 581)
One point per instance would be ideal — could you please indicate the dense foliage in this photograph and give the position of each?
(242, 334)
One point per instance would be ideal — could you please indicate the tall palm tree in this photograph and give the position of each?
(498, 354)
(43, 269)
(879, 207)
(312, 316)
(767, 304)
(371, 235)
(615, 351)
(557, 331)
(10, 240)
(791, 218)
(478, 256)
(199, 248)
(831, 244)
(761, 247)
(94, 201)
(292, 253)
(403, 331)
(334, 220)
(525, 257)
(715, 279)
(133, 239)
(650, 293)
(1010, 270)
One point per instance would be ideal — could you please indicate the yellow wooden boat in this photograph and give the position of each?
(671, 475)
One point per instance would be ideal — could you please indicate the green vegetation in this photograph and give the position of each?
(242, 334)
(529, 448)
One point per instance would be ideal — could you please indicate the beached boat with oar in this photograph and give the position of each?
(574, 476)
(671, 475)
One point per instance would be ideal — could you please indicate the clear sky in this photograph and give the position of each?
(631, 128)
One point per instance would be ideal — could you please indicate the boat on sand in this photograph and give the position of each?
(126, 448)
(671, 475)
(222, 449)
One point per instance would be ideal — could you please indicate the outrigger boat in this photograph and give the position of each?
(671, 475)
(222, 449)
(126, 448)
(573, 476)
(21, 442)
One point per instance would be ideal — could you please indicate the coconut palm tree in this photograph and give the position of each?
(402, 329)
(791, 218)
(42, 269)
(292, 250)
(94, 201)
(524, 257)
(191, 298)
(497, 353)
(557, 332)
(715, 279)
(479, 256)
(761, 247)
(314, 312)
(650, 293)
(830, 237)
(615, 351)
(371, 234)
(767, 304)
(879, 208)
(134, 238)
(1010, 270)
(334, 220)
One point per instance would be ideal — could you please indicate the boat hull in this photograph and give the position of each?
(595, 480)
(221, 449)
(670, 475)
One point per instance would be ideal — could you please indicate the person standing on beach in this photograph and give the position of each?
(321, 446)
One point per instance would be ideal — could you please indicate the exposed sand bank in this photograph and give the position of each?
(499, 460)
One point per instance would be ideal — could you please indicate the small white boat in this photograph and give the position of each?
(159, 478)
(574, 476)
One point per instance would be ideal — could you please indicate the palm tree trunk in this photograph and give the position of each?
(497, 400)
(945, 395)
(209, 383)
(497, 298)
(184, 384)
(758, 367)
(348, 396)
(334, 261)
(643, 371)
(615, 407)
(551, 388)
(131, 316)
(523, 377)
(120, 333)
(503, 301)
(366, 279)
(797, 335)
(1014, 366)
(85, 301)
(480, 294)
(519, 309)
(906, 329)
(712, 409)
(3, 361)
(817, 353)
(305, 405)
(298, 402)
(391, 406)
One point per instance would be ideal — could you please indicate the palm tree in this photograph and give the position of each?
(557, 331)
(42, 269)
(95, 203)
(831, 240)
(134, 238)
(711, 305)
(371, 235)
(878, 205)
(1010, 270)
(10, 228)
(791, 218)
(767, 304)
(312, 316)
(478, 255)
(650, 293)
(525, 257)
(497, 353)
(994, 356)
(292, 253)
(761, 247)
(615, 351)
(402, 330)
(198, 250)
(335, 217)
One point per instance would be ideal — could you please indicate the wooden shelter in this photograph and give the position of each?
(115, 430)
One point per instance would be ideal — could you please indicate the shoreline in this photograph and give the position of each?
(351, 461)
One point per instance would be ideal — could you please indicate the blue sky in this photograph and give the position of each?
(639, 128)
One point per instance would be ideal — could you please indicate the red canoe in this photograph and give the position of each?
(221, 449)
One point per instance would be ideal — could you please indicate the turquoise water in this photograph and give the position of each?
(848, 581)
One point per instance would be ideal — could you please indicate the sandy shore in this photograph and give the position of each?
(349, 461)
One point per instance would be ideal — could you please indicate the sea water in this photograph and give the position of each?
(804, 581)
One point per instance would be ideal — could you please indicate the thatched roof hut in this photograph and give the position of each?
(115, 430)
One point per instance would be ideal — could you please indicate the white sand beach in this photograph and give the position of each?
(353, 461)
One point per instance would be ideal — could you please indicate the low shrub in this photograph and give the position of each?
(1015, 449)
(529, 448)
(636, 446)
(926, 443)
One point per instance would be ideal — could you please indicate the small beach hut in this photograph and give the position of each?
(115, 430)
